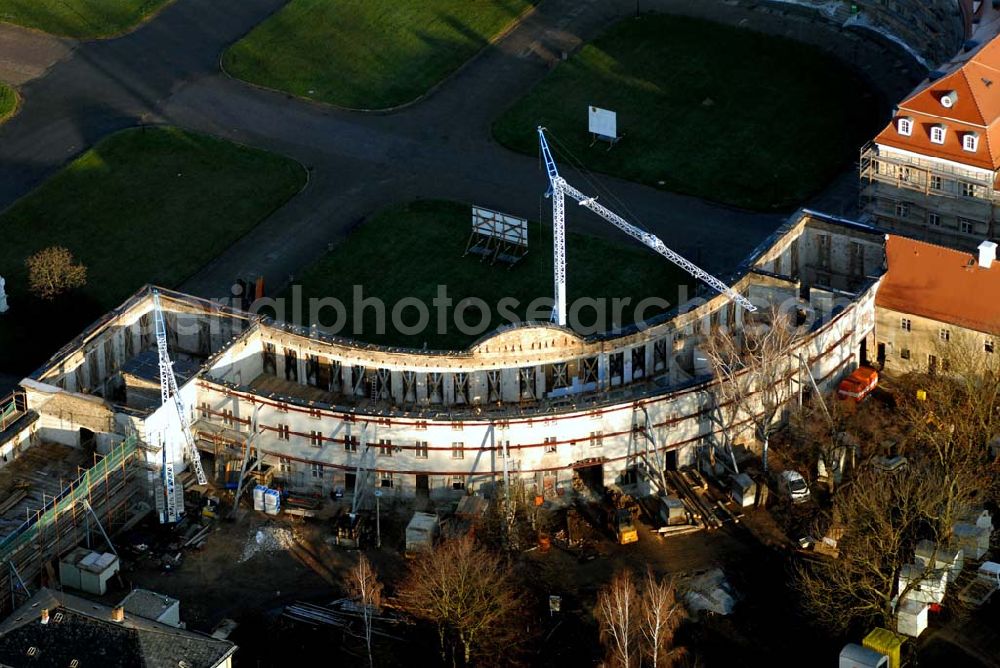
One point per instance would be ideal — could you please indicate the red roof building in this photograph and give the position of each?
(933, 297)
(932, 172)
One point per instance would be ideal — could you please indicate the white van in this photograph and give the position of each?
(794, 485)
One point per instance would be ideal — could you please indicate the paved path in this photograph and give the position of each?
(26, 55)
(167, 71)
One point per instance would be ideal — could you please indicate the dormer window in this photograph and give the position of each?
(970, 142)
(905, 126)
(937, 134)
(949, 99)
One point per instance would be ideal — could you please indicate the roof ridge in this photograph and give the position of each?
(975, 98)
(921, 242)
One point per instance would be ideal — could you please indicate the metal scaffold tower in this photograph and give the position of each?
(170, 393)
(247, 446)
(558, 189)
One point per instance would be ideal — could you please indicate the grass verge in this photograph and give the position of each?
(8, 102)
(720, 113)
(367, 54)
(80, 19)
(144, 205)
(408, 251)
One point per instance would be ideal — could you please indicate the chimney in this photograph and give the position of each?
(987, 254)
(118, 614)
(45, 615)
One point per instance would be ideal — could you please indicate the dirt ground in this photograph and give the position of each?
(249, 569)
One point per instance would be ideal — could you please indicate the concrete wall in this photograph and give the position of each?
(560, 400)
(544, 448)
(65, 415)
(932, 214)
(924, 339)
(195, 328)
(933, 28)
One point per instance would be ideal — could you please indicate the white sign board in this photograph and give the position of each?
(500, 225)
(603, 123)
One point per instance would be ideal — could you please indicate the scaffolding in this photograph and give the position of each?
(12, 408)
(104, 491)
(908, 191)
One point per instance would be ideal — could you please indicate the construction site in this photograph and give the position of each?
(203, 449)
(799, 455)
(237, 464)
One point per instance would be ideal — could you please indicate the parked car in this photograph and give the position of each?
(794, 485)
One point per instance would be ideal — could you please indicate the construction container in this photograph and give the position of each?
(856, 656)
(945, 559)
(258, 497)
(972, 539)
(981, 518)
(926, 586)
(421, 533)
(911, 618)
(672, 511)
(886, 642)
(87, 570)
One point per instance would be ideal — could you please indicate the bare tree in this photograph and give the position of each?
(952, 415)
(469, 594)
(880, 515)
(752, 366)
(660, 615)
(364, 586)
(617, 613)
(511, 521)
(53, 271)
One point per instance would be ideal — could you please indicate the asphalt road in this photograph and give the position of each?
(168, 71)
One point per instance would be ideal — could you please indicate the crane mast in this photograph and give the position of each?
(559, 189)
(170, 393)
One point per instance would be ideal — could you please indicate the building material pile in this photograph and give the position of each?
(343, 613)
(711, 592)
(267, 539)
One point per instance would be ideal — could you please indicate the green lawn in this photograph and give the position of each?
(407, 251)
(367, 54)
(82, 19)
(145, 205)
(721, 113)
(8, 102)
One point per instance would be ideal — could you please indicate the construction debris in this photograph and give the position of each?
(711, 592)
(267, 539)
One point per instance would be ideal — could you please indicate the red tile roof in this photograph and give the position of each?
(940, 283)
(977, 109)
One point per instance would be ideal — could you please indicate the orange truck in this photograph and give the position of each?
(858, 385)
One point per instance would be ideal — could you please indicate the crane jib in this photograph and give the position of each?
(559, 187)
